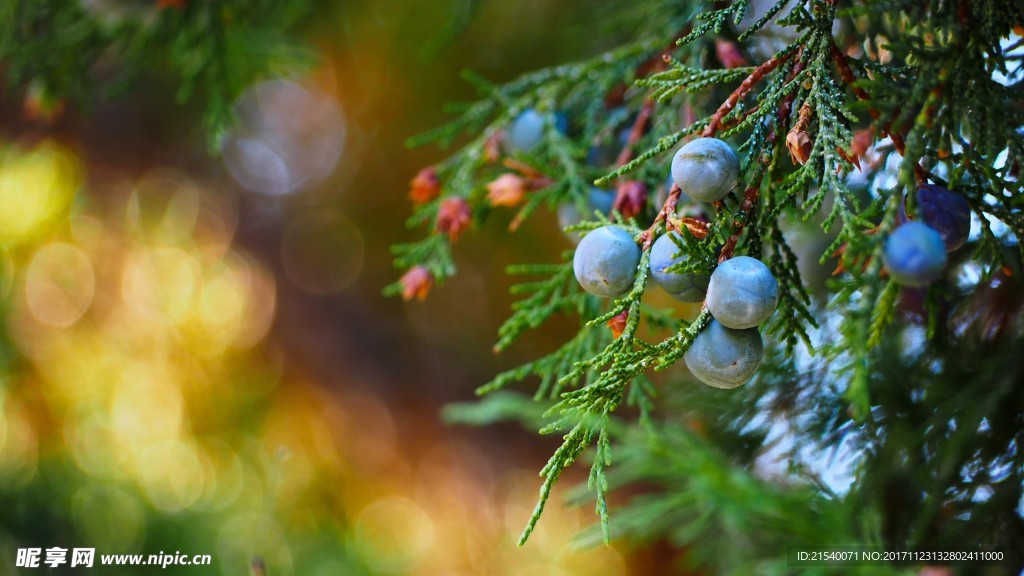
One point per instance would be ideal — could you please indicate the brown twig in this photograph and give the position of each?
(746, 206)
(750, 195)
(643, 117)
(787, 102)
(715, 124)
(898, 142)
(742, 90)
(523, 168)
(668, 209)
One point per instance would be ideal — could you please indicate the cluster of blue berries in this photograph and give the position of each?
(915, 252)
(740, 294)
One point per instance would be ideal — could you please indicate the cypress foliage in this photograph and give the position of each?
(839, 112)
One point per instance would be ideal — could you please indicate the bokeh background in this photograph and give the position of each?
(195, 354)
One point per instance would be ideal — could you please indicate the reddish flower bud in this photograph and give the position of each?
(728, 54)
(618, 323)
(630, 198)
(453, 216)
(425, 186)
(416, 283)
(39, 106)
(507, 190)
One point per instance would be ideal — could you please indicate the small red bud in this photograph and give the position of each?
(630, 198)
(507, 190)
(425, 186)
(453, 216)
(618, 323)
(416, 283)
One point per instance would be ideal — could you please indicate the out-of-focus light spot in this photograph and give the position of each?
(252, 534)
(370, 436)
(7, 270)
(164, 206)
(286, 138)
(19, 454)
(603, 560)
(109, 517)
(215, 226)
(35, 187)
(322, 252)
(91, 235)
(146, 411)
(137, 331)
(163, 282)
(223, 472)
(261, 303)
(59, 284)
(89, 439)
(393, 534)
(3, 424)
(221, 307)
(171, 475)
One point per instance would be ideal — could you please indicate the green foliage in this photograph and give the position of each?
(859, 105)
(63, 51)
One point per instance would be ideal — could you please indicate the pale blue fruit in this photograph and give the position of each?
(681, 286)
(914, 254)
(706, 169)
(723, 357)
(598, 200)
(527, 130)
(606, 260)
(742, 292)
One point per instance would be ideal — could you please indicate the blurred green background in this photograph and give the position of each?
(192, 365)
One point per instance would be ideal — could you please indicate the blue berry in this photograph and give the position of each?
(914, 254)
(706, 169)
(605, 152)
(526, 131)
(948, 213)
(723, 357)
(742, 292)
(605, 262)
(569, 214)
(562, 122)
(681, 286)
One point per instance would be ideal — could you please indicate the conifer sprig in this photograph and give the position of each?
(810, 116)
